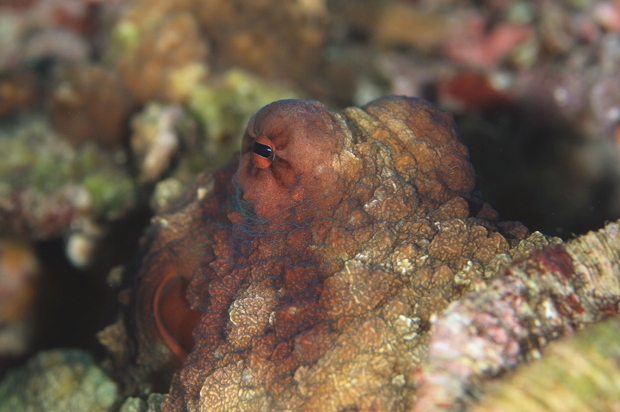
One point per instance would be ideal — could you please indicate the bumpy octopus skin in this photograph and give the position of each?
(303, 275)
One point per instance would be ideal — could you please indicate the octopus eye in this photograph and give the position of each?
(263, 152)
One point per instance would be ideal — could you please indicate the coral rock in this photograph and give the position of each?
(88, 103)
(18, 91)
(154, 140)
(58, 380)
(164, 62)
(47, 186)
(278, 39)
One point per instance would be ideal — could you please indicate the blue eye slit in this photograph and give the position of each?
(262, 150)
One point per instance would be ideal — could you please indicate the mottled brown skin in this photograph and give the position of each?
(316, 266)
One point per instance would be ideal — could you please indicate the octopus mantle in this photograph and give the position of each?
(303, 275)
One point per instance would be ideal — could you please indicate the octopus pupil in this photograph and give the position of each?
(262, 150)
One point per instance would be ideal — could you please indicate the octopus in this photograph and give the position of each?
(304, 274)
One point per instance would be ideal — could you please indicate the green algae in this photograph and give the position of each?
(42, 164)
(224, 107)
(579, 373)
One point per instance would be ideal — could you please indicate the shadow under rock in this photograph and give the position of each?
(73, 304)
(531, 165)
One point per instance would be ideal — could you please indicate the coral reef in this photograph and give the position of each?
(152, 404)
(109, 110)
(243, 40)
(47, 184)
(58, 380)
(17, 92)
(50, 188)
(166, 61)
(87, 103)
(154, 140)
(36, 33)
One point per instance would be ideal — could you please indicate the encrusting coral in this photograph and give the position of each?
(309, 268)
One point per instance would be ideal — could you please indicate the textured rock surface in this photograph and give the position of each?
(544, 297)
(88, 103)
(47, 186)
(58, 381)
(152, 404)
(576, 373)
(313, 264)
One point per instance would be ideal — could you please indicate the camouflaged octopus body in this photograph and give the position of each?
(316, 265)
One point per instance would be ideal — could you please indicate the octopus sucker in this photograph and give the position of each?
(304, 262)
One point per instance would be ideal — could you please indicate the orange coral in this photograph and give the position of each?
(317, 264)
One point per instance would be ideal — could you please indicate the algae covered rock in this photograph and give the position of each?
(47, 185)
(152, 404)
(575, 374)
(58, 380)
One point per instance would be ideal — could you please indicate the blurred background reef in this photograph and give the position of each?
(108, 109)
